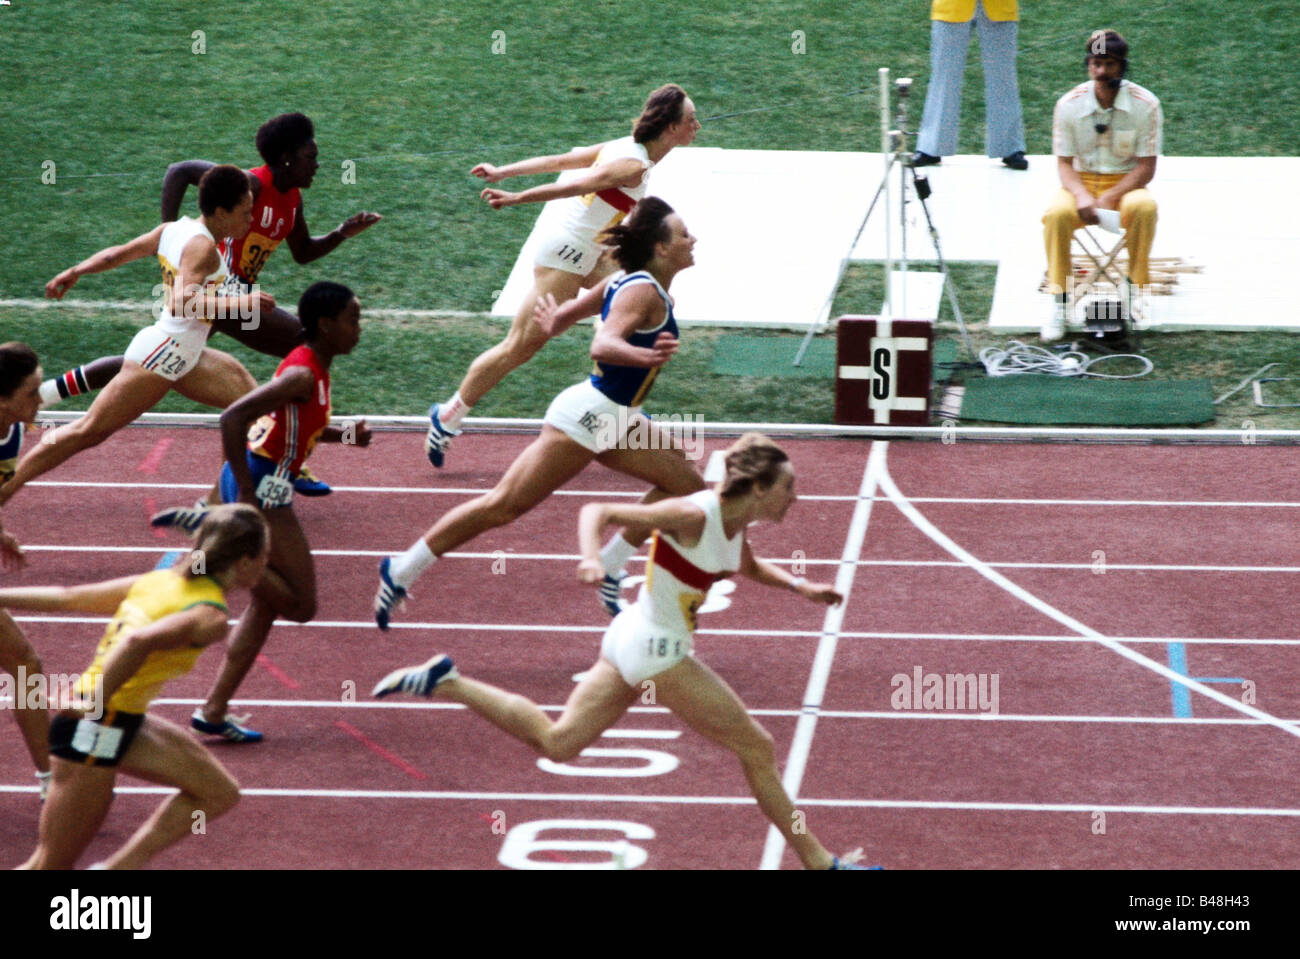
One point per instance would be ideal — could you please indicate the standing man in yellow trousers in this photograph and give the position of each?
(1106, 137)
(951, 24)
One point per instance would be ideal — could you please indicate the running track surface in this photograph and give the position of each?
(1090, 760)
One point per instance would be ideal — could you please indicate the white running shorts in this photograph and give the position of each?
(590, 418)
(641, 651)
(170, 355)
(564, 251)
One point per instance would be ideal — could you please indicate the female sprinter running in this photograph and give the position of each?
(572, 259)
(698, 540)
(170, 355)
(266, 437)
(592, 420)
(287, 143)
(163, 621)
(20, 383)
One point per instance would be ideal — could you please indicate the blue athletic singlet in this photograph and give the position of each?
(628, 385)
(9, 448)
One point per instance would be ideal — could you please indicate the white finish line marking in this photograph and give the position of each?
(929, 529)
(429, 794)
(774, 845)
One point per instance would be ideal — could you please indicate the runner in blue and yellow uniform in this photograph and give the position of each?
(162, 623)
(593, 420)
(20, 382)
(573, 257)
(267, 436)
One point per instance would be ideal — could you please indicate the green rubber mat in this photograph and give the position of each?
(1060, 401)
(773, 355)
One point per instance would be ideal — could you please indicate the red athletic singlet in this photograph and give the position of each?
(286, 436)
(273, 217)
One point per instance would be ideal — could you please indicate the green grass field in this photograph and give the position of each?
(411, 94)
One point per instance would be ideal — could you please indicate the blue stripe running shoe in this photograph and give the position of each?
(438, 438)
(309, 484)
(230, 728)
(185, 518)
(417, 680)
(611, 593)
(389, 596)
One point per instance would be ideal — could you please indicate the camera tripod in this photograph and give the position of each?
(894, 147)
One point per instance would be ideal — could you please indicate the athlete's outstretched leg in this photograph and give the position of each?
(493, 365)
(86, 378)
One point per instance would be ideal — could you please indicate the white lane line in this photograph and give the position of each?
(774, 845)
(1197, 504)
(779, 561)
(439, 491)
(929, 529)
(819, 497)
(429, 794)
(369, 625)
(1054, 807)
(145, 307)
(890, 715)
(742, 633)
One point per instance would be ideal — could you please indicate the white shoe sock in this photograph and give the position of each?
(451, 413)
(616, 554)
(50, 394)
(405, 568)
(1054, 328)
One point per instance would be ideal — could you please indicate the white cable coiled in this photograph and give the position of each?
(1020, 358)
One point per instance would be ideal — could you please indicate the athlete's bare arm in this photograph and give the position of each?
(573, 160)
(178, 178)
(109, 258)
(306, 248)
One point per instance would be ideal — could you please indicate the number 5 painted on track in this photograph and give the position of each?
(656, 763)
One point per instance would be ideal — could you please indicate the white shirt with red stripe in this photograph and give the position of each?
(171, 245)
(1107, 141)
(678, 577)
(590, 214)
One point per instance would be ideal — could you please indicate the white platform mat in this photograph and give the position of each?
(775, 227)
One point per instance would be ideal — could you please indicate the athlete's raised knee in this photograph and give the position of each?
(83, 433)
(23, 656)
(688, 482)
(220, 799)
(502, 509)
(518, 348)
(303, 610)
(559, 749)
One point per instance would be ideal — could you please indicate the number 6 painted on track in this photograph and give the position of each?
(522, 842)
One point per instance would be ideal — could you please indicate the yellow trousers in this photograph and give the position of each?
(1137, 214)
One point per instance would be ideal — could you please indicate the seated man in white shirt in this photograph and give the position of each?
(1106, 137)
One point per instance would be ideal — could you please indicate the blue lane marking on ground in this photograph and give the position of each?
(1181, 694)
(1235, 680)
(169, 558)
